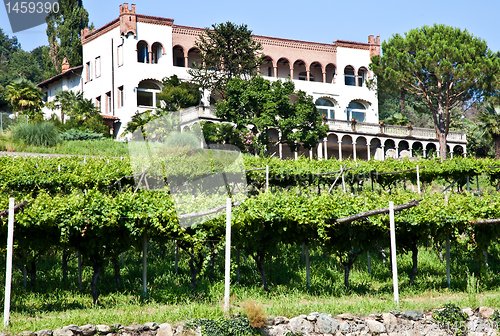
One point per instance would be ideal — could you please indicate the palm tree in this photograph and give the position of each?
(66, 102)
(491, 124)
(24, 97)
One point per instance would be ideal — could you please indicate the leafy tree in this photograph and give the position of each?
(226, 51)
(41, 56)
(63, 32)
(442, 66)
(491, 125)
(24, 97)
(177, 94)
(262, 105)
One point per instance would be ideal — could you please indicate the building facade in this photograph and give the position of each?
(125, 61)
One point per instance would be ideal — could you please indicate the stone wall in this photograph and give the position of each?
(410, 323)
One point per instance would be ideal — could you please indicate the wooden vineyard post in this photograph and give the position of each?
(418, 180)
(176, 257)
(228, 256)
(393, 253)
(448, 278)
(8, 272)
(369, 260)
(308, 271)
(144, 263)
(79, 257)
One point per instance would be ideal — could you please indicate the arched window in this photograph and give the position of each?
(146, 93)
(362, 76)
(157, 51)
(349, 77)
(325, 108)
(178, 56)
(357, 111)
(142, 52)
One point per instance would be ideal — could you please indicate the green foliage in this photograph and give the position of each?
(238, 326)
(24, 97)
(265, 105)
(184, 139)
(440, 66)
(226, 51)
(452, 316)
(176, 94)
(77, 135)
(37, 134)
(63, 32)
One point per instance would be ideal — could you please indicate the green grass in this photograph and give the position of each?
(53, 304)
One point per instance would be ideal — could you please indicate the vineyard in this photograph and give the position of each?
(90, 212)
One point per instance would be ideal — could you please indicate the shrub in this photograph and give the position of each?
(255, 313)
(76, 134)
(184, 139)
(239, 326)
(452, 317)
(36, 134)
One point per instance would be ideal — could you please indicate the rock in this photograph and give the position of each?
(280, 320)
(326, 324)
(135, 328)
(28, 333)
(389, 319)
(151, 325)
(62, 332)
(103, 329)
(311, 318)
(75, 329)
(468, 311)
(414, 315)
(278, 331)
(375, 327)
(347, 316)
(270, 321)
(44, 332)
(116, 326)
(486, 312)
(165, 330)
(314, 314)
(344, 327)
(300, 324)
(88, 330)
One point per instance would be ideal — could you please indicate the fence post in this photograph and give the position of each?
(393, 253)
(228, 255)
(144, 263)
(8, 272)
(308, 272)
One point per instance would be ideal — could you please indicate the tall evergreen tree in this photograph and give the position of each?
(442, 67)
(63, 32)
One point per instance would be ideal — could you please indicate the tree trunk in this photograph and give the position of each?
(414, 257)
(496, 140)
(439, 247)
(353, 256)
(259, 260)
(443, 151)
(33, 272)
(195, 267)
(97, 267)
(65, 265)
(116, 266)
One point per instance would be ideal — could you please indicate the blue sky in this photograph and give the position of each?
(318, 21)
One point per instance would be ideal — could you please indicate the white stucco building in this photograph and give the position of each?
(125, 61)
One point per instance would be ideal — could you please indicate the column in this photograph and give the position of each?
(320, 150)
(275, 68)
(325, 143)
(354, 150)
(397, 152)
(383, 152)
(465, 150)
(340, 150)
(368, 151)
(186, 61)
(280, 146)
(411, 151)
(310, 154)
(291, 72)
(308, 75)
(324, 77)
(424, 152)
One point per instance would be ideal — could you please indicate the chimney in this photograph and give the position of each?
(371, 39)
(128, 20)
(65, 65)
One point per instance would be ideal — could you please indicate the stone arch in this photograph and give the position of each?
(376, 150)
(417, 149)
(178, 56)
(404, 149)
(300, 70)
(283, 66)
(330, 71)
(390, 149)
(431, 150)
(157, 51)
(316, 72)
(346, 144)
(349, 76)
(362, 148)
(193, 57)
(362, 76)
(142, 48)
(267, 66)
(273, 135)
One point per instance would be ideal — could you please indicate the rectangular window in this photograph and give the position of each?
(98, 66)
(120, 96)
(120, 55)
(87, 72)
(108, 102)
(98, 103)
(144, 98)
